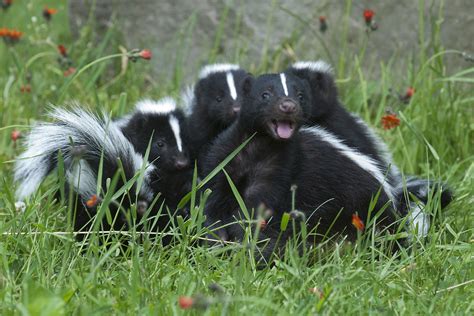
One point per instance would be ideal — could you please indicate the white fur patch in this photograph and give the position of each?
(188, 99)
(215, 68)
(316, 66)
(363, 161)
(174, 123)
(418, 220)
(162, 106)
(82, 127)
(231, 84)
(283, 83)
(382, 150)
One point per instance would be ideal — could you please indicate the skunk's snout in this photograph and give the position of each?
(181, 162)
(236, 108)
(288, 106)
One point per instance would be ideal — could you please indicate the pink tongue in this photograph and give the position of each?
(284, 129)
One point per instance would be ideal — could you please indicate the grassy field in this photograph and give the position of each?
(45, 271)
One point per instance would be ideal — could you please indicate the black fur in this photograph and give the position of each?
(213, 109)
(265, 170)
(327, 111)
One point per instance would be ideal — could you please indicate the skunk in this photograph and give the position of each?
(214, 105)
(327, 112)
(333, 181)
(84, 139)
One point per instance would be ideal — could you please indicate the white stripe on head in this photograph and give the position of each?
(283, 83)
(231, 84)
(174, 123)
(162, 106)
(363, 161)
(214, 68)
(316, 66)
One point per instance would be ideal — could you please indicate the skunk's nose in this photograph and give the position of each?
(288, 107)
(181, 163)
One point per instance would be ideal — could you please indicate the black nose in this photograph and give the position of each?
(236, 109)
(181, 163)
(288, 107)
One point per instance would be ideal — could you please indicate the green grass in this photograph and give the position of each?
(43, 270)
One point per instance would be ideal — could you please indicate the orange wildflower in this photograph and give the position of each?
(49, 12)
(92, 201)
(368, 16)
(145, 54)
(390, 121)
(185, 302)
(357, 222)
(15, 135)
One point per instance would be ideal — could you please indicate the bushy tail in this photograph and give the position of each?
(83, 139)
(422, 190)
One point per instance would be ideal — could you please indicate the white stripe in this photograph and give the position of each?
(381, 148)
(231, 84)
(214, 68)
(363, 161)
(316, 66)
(174, 123)
(283, 83)
(162, 106)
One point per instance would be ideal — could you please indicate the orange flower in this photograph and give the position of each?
(368, 16)
(357, 222)
(145, 54)
(25, 89)
(69, 71)
(410, 92)
(15, 35)
(185, 302)
(15, 135)
(92, 201)
(390, 121)
(62, 50)
(49, 12)
(4, 32)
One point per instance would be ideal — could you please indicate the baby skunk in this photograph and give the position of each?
(327, 112)
(84, 139)
(214, 105)
(333, 181)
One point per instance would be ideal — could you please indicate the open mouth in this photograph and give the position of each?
(283, 129)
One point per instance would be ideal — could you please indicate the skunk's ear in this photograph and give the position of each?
(319, 75)
(247, 85)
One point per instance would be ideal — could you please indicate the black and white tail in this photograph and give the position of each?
(77, 133)
(422, 190)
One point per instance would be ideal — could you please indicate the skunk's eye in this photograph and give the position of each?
(160, 144)
(300, 96)
(266, 96)
(219, 98)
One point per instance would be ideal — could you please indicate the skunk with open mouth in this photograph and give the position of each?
(333, 181)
